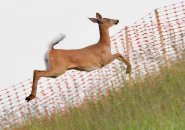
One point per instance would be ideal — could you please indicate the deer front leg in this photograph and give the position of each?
(37, 74)
(121, 58)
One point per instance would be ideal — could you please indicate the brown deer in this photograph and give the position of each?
(86, 59)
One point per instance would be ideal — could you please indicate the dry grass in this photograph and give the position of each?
(157, 103)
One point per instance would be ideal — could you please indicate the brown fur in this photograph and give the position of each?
(85, 59)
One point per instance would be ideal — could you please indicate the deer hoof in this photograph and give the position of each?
(30, 97)
(128, 71)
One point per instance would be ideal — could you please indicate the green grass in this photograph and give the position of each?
(155, 103)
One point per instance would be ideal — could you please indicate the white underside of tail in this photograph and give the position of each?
(55, 40)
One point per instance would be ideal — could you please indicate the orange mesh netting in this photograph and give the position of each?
(148, 44)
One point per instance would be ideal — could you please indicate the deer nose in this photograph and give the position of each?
(117, 21)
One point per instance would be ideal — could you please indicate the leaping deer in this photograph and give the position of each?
(86, 59)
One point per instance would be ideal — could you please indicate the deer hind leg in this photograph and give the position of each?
(121, 58)
(37, 75)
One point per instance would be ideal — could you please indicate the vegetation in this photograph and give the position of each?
(155, 103)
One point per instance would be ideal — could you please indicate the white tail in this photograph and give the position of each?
(56, 40)
(84, 59)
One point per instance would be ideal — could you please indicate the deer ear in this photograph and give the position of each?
(94, 20)
(99, 17)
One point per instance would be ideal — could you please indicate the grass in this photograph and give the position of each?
(155, 103)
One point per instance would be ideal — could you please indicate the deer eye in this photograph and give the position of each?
(106, 19)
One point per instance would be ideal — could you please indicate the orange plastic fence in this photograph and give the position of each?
(149, 43)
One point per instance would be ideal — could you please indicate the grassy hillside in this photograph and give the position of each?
(156, 103)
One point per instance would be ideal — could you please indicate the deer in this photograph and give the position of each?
(86, 59)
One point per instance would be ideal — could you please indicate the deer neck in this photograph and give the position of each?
(104, 35)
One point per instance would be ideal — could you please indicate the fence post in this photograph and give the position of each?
(127, 47)
(161, 35)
